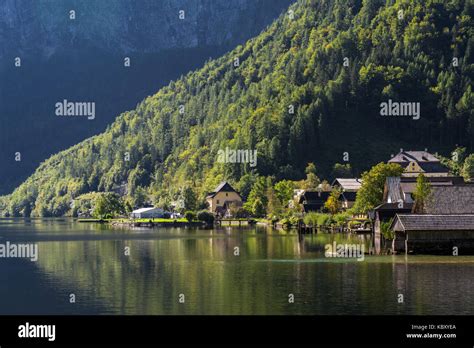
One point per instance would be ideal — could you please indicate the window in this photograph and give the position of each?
(226, 194)
(217, 201)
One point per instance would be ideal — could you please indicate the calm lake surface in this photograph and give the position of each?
(89, 261)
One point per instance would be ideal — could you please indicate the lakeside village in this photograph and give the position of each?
(410, 204)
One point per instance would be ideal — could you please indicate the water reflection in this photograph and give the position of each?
(90, 261)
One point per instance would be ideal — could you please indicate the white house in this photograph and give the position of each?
(147, 213)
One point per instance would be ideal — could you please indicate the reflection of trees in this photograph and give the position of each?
(271, 265)
(201, 265)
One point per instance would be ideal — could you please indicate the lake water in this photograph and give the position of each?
(89, 261)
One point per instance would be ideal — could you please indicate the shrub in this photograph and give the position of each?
(385, 229)
(240, 213)
(311, 219)
(205, 216)
(286, 223)
(294, 220)
(274, 219)
(190, 215)
(324, 220)
(341, 219)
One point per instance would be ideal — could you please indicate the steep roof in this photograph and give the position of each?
(413, 156)
(392, 190)
(348, 184)
(451, 200)
(314, 197)
(427, 162)
(222, 187)
(433, 167)
(416, 222)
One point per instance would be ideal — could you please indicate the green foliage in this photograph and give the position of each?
(258, 209)
(468, 168)
(288, 223)
(371, 192)
(108, 205)
(297, 63)
(189, 198)
(312, 181)
(385, 229)
(333, 205)
(341, 171)
(205, 216)
(341, 219)
(325, 220)
(284, 191)
(455, 161)
(274, 206)
(317, 219)
(421, 194)
(257, 200)
(311, 219)
(190, 216)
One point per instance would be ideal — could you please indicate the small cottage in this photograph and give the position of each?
(313, 200)
(349, 188)
(223, 198)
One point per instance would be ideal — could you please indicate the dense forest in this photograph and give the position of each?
(306, 90)
(84, 60)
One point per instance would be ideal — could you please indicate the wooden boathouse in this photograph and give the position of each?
(436, 234)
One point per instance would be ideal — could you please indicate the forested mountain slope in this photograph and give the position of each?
(82, 59)
(396, 50)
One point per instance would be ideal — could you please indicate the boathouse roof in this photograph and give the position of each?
(451, 200)
(431, 222)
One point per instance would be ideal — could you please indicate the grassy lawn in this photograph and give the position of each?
(136, 220)
(158, 220)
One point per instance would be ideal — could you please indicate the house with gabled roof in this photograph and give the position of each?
(222, 198)
(416, 162)
(349, 188)
(313, 200)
